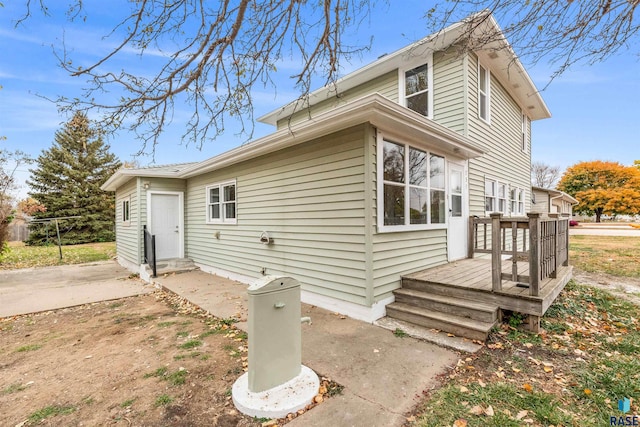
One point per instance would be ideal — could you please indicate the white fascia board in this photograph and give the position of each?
(121, 176)
(375, 109)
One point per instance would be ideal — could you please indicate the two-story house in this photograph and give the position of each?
(378, 177)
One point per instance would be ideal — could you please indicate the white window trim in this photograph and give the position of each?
(487, 94)
(222, 219)
(410, 65)
(126, 220)
(382, 228)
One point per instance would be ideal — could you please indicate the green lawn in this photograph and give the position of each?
(616, 255)
(22, 256)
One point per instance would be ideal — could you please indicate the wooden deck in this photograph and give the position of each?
(471, 279)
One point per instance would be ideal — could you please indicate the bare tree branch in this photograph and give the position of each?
(544, 175)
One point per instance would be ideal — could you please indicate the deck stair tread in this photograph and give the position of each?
(459, 302)
(457, 325)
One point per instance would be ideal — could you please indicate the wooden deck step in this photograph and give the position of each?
(456, 325)
(458, 307)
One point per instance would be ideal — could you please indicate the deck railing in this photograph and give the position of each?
(543, 242)
(150, 250)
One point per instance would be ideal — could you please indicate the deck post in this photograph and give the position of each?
(556, 245)
(471, 239)
(496, 252)
(534, 253)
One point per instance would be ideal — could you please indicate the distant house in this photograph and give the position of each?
(380, 177)
(546, 201)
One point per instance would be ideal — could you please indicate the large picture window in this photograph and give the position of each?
(221, 202)
(413, 186)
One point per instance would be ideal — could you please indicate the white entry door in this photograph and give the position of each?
(165, 222)
(458, 216)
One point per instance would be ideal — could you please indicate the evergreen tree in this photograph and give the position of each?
(67, 180)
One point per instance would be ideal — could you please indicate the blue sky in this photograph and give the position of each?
(595, 108)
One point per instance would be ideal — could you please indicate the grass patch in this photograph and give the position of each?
(190, 344)
(615, 255)
(13, 388)
(127, 403)
(400, 333)
(177, 378)
(165, 324)
(22, 256)
(163, 400)
(50, 411)
(182, 334)
(30, 347)
(191, 355)
(160, 372)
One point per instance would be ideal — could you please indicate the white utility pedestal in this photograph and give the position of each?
(276, 382)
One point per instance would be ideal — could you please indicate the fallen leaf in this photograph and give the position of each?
(587, 391)
(477, 410)
(548, 369)
(482, 383)
(463, 389)
(521, 414)
(527, 387)
(460, 422)
(489, 411)
(516, 370)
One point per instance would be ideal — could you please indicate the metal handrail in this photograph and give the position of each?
(150, 250)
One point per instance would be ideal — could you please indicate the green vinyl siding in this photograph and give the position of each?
(398, 253)
(449, 90)
(309, 198)
(127, 235)
(386, 85)
(501, 139)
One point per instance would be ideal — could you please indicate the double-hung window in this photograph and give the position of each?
(416, 89)
(413, 187)
(484, 93)
(221, 202)
(517, 201)
(495, 196)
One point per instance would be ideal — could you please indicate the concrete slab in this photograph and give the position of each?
(383, 375)
(41, 289)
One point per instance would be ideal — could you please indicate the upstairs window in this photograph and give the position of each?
(484, 93)
(221, 202)
(525, 122)
(416, 89)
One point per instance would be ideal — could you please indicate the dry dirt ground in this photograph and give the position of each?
(140, 361)
(625, 287)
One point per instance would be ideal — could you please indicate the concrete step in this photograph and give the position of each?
(174, 265)
(452, 305)
(456, 325)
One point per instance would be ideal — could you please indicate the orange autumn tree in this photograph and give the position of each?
(603, 188)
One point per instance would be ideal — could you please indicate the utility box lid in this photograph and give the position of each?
(270, 284)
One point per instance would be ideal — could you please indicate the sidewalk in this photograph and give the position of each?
(383, 375)
(33, 290)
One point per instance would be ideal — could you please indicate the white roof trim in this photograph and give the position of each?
(375, 109)
(506, 67)
(556, 194)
